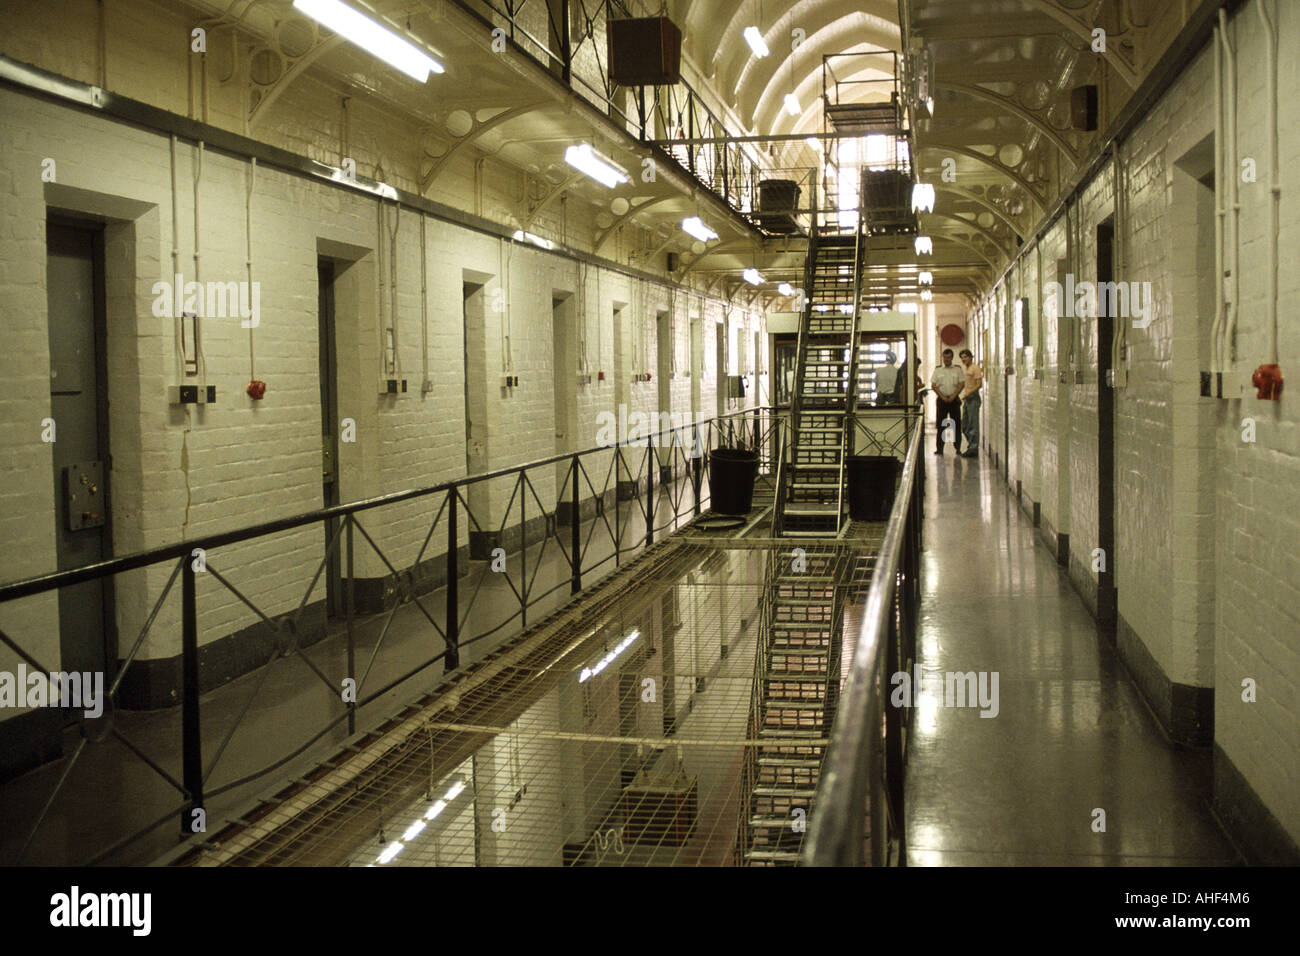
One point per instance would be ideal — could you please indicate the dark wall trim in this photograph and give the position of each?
(29, 740)
(1263, 838)
(1185, 712)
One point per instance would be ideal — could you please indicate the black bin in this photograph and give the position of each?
(731, 480)
(871, 486)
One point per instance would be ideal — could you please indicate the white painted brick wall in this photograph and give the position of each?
(1167, 551)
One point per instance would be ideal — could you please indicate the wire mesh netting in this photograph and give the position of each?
(676, 715)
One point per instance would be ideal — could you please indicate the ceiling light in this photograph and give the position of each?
(753, 277)
(391, 851)
(907, 307)
(925, 278)
(356, 27)
(923, 246)
(589, 672)
(922, 198)
(792, 104)
(695, 226)
(413, 830)
(785, 288)
(815, 143)
(436, 808)
(926, 295)
(846, 308)
(755, 41)
(457, 789)
(586, 160)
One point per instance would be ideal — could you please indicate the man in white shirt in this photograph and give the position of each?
(887, 381)
(947, 381)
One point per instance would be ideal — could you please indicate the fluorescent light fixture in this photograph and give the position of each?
(355, 27)
(695, 226)
(391, 851)
(923, 246)
(785, 288)
(907, 307)
(926, 295)
(457, 789)
(792, 104)
(925, 278)
(922, 198)
(755, 41)
(815, 143)
(413, 830)
(437, 808)
(586, 160)
(589, 672)
(821, 308)
(753, 277)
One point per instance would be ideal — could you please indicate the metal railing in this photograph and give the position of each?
(857, 814)
(655, 114)
(651, 489)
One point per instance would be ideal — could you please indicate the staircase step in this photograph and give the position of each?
(778, 791)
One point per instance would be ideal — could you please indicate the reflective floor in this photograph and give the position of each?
(1071, 739)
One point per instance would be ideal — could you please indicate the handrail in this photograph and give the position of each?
(835, 831)
(25, 587)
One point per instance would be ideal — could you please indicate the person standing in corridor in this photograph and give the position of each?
(947, 381)
(970, 404)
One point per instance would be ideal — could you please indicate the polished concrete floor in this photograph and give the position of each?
(1071, 735)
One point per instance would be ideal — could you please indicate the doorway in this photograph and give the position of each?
(329, 409)
(79, 406)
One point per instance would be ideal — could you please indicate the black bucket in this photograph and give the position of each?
(731, 480)
(871, 486)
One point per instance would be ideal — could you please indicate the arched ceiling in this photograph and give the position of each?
(999, 147)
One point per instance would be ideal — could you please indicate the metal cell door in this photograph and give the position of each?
(78, 405)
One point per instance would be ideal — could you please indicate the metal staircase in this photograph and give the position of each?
(796, 687)
(812, 501)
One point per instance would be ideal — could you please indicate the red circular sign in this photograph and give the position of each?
(952, 334)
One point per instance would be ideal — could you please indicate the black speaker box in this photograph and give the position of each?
(644, 51)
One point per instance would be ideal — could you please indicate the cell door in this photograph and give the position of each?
(329, 414)
(74, 274)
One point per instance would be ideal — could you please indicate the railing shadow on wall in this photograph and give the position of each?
(857, 815)
(443, 537)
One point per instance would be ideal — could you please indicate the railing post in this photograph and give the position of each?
(191, 738)
(575, 535)
(697, 468)
(349, 596)
(523, 554)
(650, 495)
(452, 660)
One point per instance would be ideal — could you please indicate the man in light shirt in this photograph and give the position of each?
(970, 407)
(947, 382)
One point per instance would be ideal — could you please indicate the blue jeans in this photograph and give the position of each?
(970, 422)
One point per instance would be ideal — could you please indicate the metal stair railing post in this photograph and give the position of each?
(575, 535)
(851, 396)
(191, 737)
(452, 660)
(849, 771)
(349, 603)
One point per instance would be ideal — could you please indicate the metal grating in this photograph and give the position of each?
(653, 759)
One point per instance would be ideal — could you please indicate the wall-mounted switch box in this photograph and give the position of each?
(191, 395)
(394, 386)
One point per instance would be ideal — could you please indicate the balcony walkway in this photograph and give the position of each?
(1072, 733)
